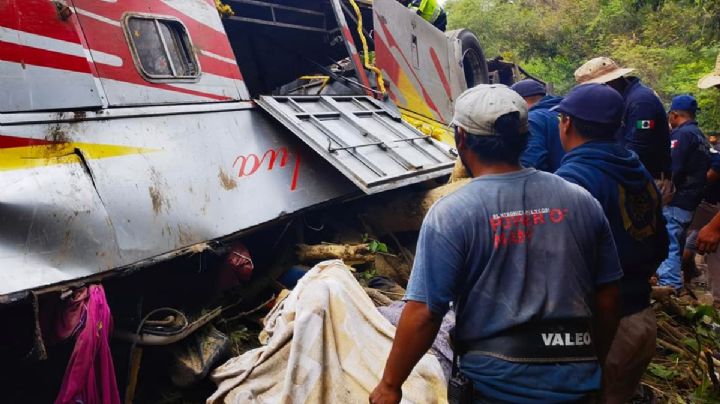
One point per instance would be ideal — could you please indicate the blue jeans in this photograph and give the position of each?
(678, 220)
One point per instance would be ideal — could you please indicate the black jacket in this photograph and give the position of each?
(645, 128)
(631, 202)
(690, 163)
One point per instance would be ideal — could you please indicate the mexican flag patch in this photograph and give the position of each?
(645, 124)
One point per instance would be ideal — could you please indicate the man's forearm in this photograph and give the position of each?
(709, 236)
(415, 334)
(714, 223)
(606, 319)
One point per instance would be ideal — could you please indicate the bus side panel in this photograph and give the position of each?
(82, 196)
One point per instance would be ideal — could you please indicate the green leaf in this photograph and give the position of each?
(679, 399)
(378, 247)
(702, 332)
(692, 344)
(661, 371)
(704, 311)
(369, 274)
(382, 247)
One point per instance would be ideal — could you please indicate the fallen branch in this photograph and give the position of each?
(671, 347)
(350, 254)
(672, 331)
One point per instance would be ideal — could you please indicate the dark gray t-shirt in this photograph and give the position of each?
(512, 248)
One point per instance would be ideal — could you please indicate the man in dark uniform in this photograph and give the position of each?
(590, 115)
(690, 164)
(543, 150)
(645, 126)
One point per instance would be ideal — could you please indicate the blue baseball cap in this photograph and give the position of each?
(598, 103)
(684, 102)
(528, 88)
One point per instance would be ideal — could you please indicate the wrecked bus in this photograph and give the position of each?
(135, 131)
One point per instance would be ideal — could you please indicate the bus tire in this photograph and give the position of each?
(473, 57)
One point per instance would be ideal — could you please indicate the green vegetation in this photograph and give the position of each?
(671, 43)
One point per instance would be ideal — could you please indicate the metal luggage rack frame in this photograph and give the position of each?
(435, 156)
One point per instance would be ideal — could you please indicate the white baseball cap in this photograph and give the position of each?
(477, 109)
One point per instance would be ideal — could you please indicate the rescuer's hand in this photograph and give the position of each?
(385, 394)
(708, 239)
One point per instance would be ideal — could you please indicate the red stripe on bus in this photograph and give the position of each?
(392, 43)
(26, 55)
(7, 142)
(439, 69)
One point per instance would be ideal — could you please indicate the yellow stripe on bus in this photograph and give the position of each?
(18, 158)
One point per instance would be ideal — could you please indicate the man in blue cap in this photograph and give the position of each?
(544, 151)
(690, 163)
(590, 116)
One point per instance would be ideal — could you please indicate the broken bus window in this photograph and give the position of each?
(162, 48)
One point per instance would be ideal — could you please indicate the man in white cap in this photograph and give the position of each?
(532, 275)
(645, 127)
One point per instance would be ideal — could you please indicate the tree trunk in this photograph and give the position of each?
(351, 254)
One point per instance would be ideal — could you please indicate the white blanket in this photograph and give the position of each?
(327, 344)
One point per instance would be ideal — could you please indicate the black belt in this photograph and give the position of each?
(559, 341)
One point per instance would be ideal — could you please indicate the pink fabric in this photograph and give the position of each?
(236, 268)
(63, 319)
(90, 375)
